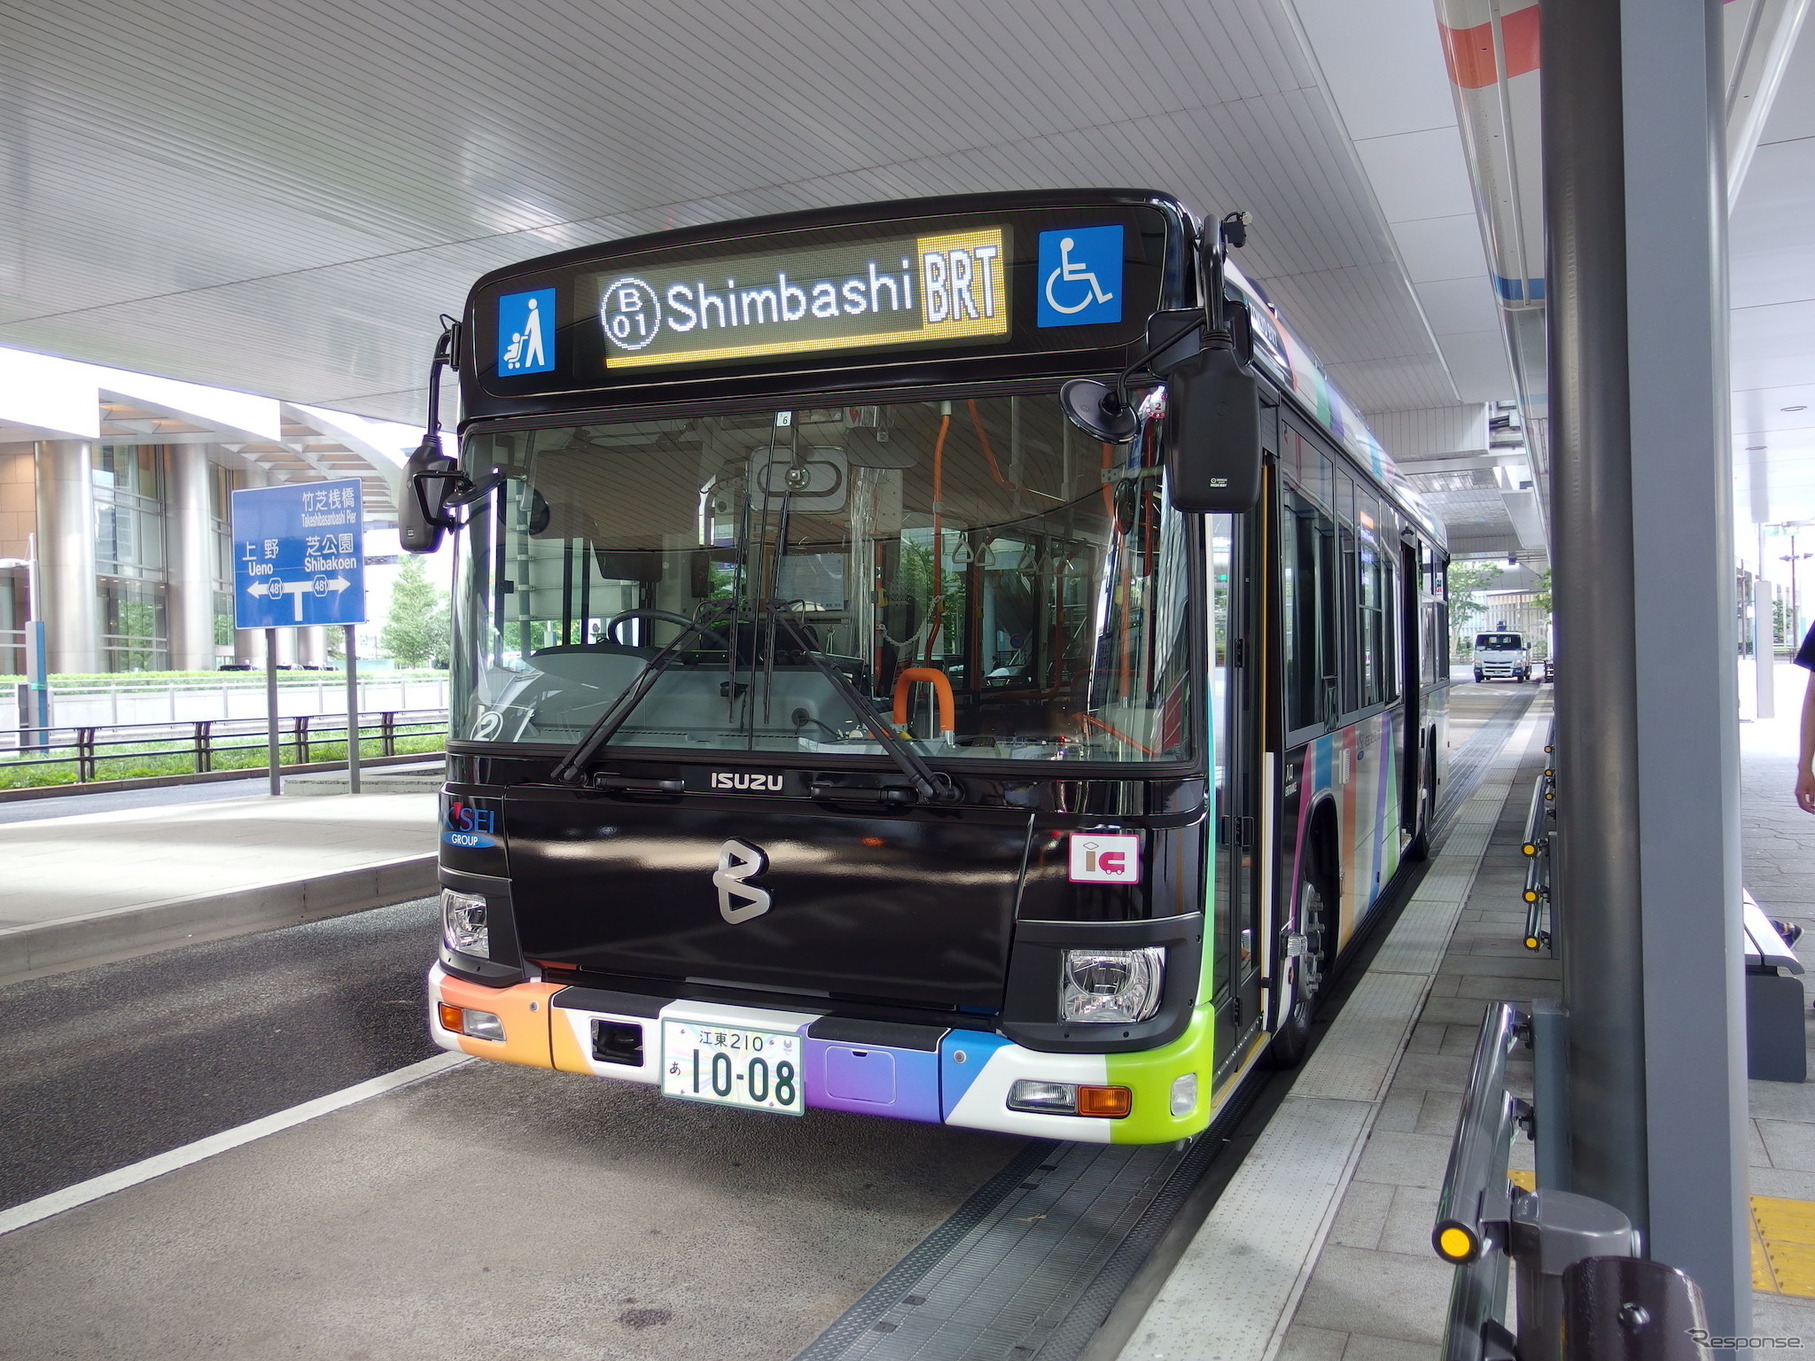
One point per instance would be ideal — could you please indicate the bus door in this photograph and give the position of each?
(1411, 686)
(1237, 627)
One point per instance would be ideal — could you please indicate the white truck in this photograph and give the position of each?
(1502, 656)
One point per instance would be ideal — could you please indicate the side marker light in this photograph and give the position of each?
(451, 1017)
(1455, 1244)
(1184, 1094)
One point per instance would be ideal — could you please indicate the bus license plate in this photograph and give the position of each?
(755, 1069)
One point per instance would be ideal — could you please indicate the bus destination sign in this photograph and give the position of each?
(911, 290)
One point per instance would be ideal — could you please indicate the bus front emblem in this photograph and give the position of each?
(738, 861)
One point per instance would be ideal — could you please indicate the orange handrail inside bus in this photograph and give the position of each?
(942, 694)
(938, 602)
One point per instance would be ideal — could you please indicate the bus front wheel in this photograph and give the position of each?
(1294, 1035)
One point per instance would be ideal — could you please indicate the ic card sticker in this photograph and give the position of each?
(1105, 858)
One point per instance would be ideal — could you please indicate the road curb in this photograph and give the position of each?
(126, 932)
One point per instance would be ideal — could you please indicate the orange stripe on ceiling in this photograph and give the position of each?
(1469, 54)
(1519, 31)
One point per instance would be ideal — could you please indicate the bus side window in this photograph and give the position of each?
(1348, 600)
(1304, 670)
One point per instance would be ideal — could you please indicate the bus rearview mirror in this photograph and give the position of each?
(428, 476)
(1212, 433)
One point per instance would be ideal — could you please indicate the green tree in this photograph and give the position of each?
(137, 650)
(1540, 593)
(1466, 582)
(416, 631)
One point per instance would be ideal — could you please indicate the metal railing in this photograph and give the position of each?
(1581, 1293)
(1540, 823)
(209, 745)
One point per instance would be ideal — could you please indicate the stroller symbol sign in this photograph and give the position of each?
(1080, 277)
(526, 323)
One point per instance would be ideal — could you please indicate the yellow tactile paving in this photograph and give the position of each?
(1785, 1229)
(1783, 1241)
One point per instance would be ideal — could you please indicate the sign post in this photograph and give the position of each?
(352, 651)
(299, 562)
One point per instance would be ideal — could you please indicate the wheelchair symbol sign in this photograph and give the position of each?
(1080, 276)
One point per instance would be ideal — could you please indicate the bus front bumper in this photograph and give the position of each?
(952, 1077)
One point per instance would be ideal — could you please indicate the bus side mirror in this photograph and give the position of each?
(1212, 433)
(428, 477)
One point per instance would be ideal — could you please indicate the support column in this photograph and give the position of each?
(66, 556)
(1687, 687)
(191, 524)
(312, 646)
(1645, 872)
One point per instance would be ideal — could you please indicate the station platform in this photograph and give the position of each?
(1319, 1249)
(88, 888)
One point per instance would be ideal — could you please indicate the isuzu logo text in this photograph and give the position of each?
(726, 779)
(737, 862)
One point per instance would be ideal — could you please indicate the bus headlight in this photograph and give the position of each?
(1112, 987)
(463, 924)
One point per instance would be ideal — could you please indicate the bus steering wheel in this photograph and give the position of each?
(666, 616)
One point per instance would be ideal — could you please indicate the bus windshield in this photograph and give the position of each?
(991, 581)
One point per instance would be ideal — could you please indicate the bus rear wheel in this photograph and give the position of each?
(1309, 969)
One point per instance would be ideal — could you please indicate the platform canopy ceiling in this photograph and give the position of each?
(282, 198)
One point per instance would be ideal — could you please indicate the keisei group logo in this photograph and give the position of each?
(1105, 858)
(469, 828)
(526, 332)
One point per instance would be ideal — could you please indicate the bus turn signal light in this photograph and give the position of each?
(1110, 1103)
(481, 1025)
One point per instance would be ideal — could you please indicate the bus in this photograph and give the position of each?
(890, 677)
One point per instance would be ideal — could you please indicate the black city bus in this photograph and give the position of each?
(851, 711)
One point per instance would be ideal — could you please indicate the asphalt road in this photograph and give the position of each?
(101, 1068)
(491, 1213)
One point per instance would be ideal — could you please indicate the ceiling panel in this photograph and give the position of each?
(283, 197)
(1772, 259)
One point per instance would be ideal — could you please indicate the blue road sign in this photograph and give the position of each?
(298, 556)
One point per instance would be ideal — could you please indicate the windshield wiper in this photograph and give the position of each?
(571, 769)
(930, 784)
